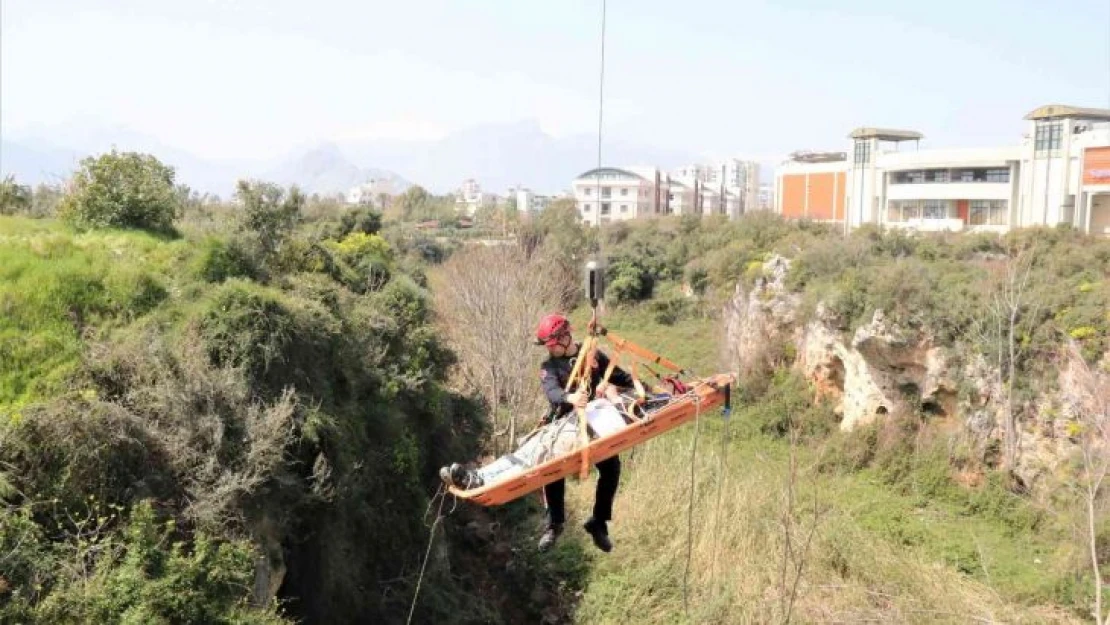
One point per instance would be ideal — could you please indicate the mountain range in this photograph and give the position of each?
(498, 156)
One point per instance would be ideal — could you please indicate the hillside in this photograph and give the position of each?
(246, 426)
(172, 408)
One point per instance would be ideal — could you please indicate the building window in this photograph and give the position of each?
(987, 213)
(606, 192)
(585, 208)
(624, 191)
(998, 175)
(907, 177)
(605, 208)
(936, 209)
(587, 191)
(1048, 136)
(862, 154)
(624, 208)
(905, 210)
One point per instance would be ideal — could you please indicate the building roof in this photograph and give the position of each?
(1060, 111)
(818, 157)
(601, 172)
(885, 134)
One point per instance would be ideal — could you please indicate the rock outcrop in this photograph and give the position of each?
(883, 368)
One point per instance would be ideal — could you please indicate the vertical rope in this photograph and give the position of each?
(690, 508)
(722, 472)
(600, 122)
(428, 551)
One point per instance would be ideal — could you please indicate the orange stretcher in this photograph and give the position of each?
(703, 396)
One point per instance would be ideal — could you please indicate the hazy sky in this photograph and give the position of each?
(252, 78)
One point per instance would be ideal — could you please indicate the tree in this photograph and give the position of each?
(490, 300)
(1092, 429)
(122, 190)
(558, 231)
(269, 215)
(14, 198)
(1009, 315)
(411, 203)
(45, 200)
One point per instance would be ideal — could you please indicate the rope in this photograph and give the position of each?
(722, 472)
(690, 509)
(428, 551)
(600, 115)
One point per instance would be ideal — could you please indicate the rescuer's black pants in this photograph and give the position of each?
(609, 476)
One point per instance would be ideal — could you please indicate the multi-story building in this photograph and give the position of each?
(613, 194)
(766, 197)
(619, 194)
(1058, 174)
(528, 201)
(470, 197)
(370, 192)
(734, 180)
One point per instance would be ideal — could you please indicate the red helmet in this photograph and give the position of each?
(551, 328)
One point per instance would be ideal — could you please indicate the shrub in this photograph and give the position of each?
(122, 190)
(14, 198)
(221, 259)
(144, 573)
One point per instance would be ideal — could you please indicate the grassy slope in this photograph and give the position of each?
(54, 284)
(881, 553)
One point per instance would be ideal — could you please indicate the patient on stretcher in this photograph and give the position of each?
(555, 439)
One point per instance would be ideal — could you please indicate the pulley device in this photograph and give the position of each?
(595, 282)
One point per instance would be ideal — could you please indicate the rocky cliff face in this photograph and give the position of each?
(883, 368)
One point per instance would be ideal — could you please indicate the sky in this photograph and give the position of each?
(249, 79)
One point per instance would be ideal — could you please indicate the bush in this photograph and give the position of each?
(787, 406)
(268, 218)
(14, 198)
(222, 259)
(141, 572)
(122, 190)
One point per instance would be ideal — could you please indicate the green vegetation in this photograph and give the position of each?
(122, 190)
(901, 536)
(204, 406)
(171, 409)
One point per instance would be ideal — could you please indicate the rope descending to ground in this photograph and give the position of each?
(431, 538)
(690, 508)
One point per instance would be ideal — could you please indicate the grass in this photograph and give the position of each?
(56, 286)
(882, 551)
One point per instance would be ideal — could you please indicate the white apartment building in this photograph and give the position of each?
(529, 202)
(619, 194)
(470, 197)
(735, 184)
(616, 194)
(1058, 174)
(370, 192)
(766, 197)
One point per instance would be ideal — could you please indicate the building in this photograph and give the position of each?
(371, 193)
(811, 185)
(470, 197)
(734, 182)
(529, 202)
(620, 194)
(1058, 174)
(729, 187)
(766, 197)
